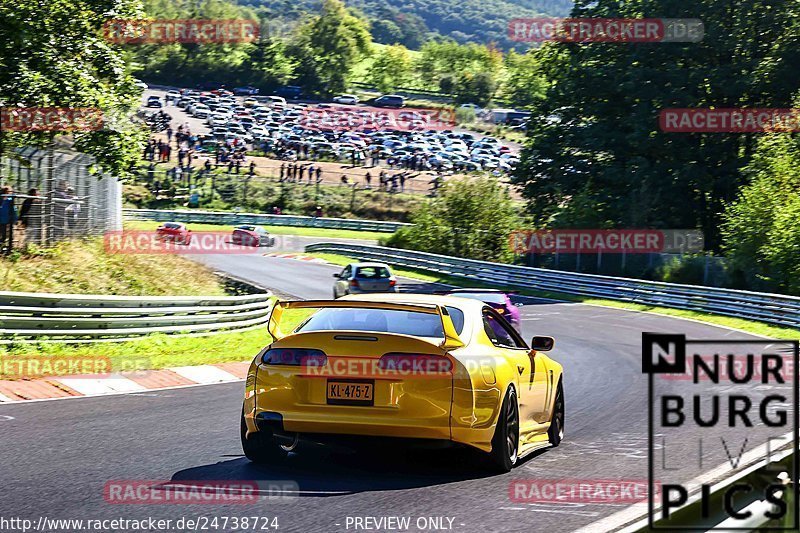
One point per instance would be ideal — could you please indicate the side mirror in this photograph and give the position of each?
(543, 344)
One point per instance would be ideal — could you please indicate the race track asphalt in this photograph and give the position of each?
(57, 456)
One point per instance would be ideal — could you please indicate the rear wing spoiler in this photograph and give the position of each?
(451, 338)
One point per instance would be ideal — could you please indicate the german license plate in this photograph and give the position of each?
(351, 392)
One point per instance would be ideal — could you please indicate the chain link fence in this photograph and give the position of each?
(48, 195)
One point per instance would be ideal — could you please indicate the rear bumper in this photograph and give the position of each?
(346, 433)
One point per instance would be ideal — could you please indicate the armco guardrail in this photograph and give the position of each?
(231, 218)
(771, 308)
(71, 317)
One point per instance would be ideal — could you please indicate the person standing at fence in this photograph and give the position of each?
(8, 216)
(319, 174)
(73, 210)
(30, 215)
(169, 134)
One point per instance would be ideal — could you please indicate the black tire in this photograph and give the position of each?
(555, 434)
(259, 449)
(505, 443)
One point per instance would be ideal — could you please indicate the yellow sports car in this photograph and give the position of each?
(404, 366)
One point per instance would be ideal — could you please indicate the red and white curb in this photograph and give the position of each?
(297, 257)
(26, 390)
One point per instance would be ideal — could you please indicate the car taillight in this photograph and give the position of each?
(392, 282)
(354, 283)
(414, 364)
(294, 357)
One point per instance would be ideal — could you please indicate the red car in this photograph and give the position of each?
(175, 232)
(252, 236)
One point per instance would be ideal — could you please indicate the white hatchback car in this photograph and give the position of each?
(348, 99)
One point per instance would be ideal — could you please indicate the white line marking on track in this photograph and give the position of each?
(4, 399)
(5, 418)
(98, 386)
(205, 374)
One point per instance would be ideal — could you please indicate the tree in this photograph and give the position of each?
(470, 218)
(438, 60)
(57, 57)
(335, 41)
(760, 229)
(525, 84)
(391, 68)
(476, 88)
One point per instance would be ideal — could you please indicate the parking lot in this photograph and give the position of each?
(335, 138)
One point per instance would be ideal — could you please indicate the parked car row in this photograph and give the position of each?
(270, 121)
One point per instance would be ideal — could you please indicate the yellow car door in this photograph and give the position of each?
(530, 371)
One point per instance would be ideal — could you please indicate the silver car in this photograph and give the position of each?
(361, 278)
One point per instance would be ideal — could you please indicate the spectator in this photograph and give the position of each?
(318, 212)
(319, 174)
(368, 179)
(252, 171)
(72, 211)
(344, 179)
(283, 171)
(8, 216)
(169, 134)
(30, 214)
(165, 152)
(402, 182)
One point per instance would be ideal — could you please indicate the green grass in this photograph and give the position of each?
(151, 352)
(275, 230)
(749, 326)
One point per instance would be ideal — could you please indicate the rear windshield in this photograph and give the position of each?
(247, 228)
(488, 297)
(373, 273)
(382, 321)
(172, 225)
